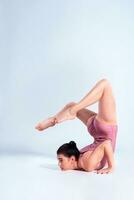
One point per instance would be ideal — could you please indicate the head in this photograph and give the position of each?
(68, 155)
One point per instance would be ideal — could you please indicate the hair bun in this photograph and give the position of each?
(72, 144)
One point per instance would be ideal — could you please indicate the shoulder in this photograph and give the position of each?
(87, 154)
(83, 159)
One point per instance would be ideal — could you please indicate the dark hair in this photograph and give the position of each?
(69, 149)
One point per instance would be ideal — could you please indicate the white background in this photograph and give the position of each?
(53, 52)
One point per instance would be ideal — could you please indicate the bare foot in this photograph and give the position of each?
(51, 121)
(66, 113)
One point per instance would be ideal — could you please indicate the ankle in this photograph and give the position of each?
(71, 104)
(73, 110)
(55, 119)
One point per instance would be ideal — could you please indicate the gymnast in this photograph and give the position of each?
(98, 156)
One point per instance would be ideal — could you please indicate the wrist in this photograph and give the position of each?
(111, 167)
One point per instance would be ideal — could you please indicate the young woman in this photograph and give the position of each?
(102, 126)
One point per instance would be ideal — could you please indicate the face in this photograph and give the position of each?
(66, 163)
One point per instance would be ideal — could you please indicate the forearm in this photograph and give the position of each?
(109, 155)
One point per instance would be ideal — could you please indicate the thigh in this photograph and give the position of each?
(107, 105)
(84, 115)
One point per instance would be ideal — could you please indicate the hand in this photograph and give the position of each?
(105, 171)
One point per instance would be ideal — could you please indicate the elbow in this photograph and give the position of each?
(89, 169)
(89, 166)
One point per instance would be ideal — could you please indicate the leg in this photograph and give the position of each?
(107, 106)
(84, 115)
(102, 93)
(51, 121)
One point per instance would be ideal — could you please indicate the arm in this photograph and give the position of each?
(109, 154)
(110, 158)
(91, 159)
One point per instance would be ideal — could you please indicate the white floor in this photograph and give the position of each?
(35, 177)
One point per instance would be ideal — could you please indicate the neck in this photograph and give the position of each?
(77, 165)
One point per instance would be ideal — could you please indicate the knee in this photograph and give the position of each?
(106, 84)
(89, 169)
(105, 81)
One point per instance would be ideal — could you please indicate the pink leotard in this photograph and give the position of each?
(100, 132)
